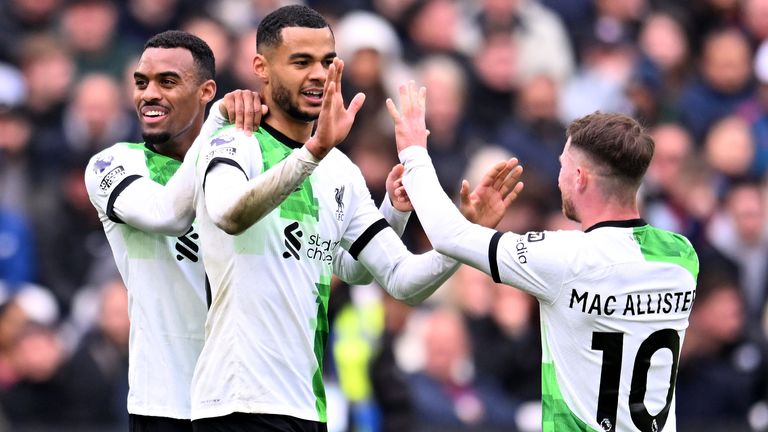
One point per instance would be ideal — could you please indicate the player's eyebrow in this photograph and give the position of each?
(303, 56)
(164, 74)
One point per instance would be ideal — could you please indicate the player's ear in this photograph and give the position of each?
(581, 178)
(260, 68)
(208, 91)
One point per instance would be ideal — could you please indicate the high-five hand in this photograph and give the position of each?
(500, 186)
(334, 121)
(410, 125)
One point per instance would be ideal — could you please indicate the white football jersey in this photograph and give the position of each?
(614, 303)
(267, 326)
(165, 280)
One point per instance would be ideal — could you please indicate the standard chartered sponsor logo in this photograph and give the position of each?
(291, 241)
(317, 248)
(321, 250)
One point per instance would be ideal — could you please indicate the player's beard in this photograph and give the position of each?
(568, 209)
(156, 138)
(282, 98)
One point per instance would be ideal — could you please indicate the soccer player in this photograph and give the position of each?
(149, 225)
(156, 247)
(270, 271)
(614, 297)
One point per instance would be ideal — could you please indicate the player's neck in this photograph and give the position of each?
(178, 145)
(296, 130)
(173, 148)
(608, 212)
(594, 208)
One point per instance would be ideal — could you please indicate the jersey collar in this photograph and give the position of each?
(281, 136)
(631, 223)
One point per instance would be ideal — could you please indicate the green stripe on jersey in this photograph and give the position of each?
(302, 206)
(556, 416)
(321, 340)
(300, 203)
(161, 168)
(665, 246)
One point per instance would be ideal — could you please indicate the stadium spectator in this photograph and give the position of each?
(449, 393)
(723, 81)
(719, 353)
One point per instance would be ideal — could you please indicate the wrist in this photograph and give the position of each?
(317, 150)
(306, 156)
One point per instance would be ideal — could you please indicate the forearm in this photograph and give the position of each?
(152, 207)
(168, 209)
(406, 277)
(448, 231)
(351, 270)
(395, 218)
(235, 203)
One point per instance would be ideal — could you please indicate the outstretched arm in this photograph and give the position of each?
(449, 231)
(396, 210)
(412, 278)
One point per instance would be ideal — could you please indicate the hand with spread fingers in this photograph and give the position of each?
(489, 201)
(410, 123)
(499, 187)
(335, 121)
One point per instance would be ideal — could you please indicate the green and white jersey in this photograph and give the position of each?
(165, 280)
(267, 325)
(614, 303)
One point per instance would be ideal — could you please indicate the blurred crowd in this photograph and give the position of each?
(504, 77)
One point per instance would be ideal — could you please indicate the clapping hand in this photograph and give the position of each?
(489, 201)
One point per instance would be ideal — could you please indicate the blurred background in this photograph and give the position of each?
(505, 77)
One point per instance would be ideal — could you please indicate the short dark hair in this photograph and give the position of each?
(616, 142)
(201, 52)
(269, 33)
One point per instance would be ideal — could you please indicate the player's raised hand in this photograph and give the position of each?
(396, 191)
(244, 109)
(410, 123)
(500, 186)
(334, 121)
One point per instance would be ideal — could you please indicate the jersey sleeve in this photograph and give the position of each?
(233, 199)
(119, 190)
(140, 202)
(370, 240)
(523, 261)
(536, 262)
(107, 175)
(366, 221)
(351, 270)
(395, 218)
(152, 207)
(227, 146)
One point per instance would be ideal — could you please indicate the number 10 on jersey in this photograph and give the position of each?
(612, 346)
